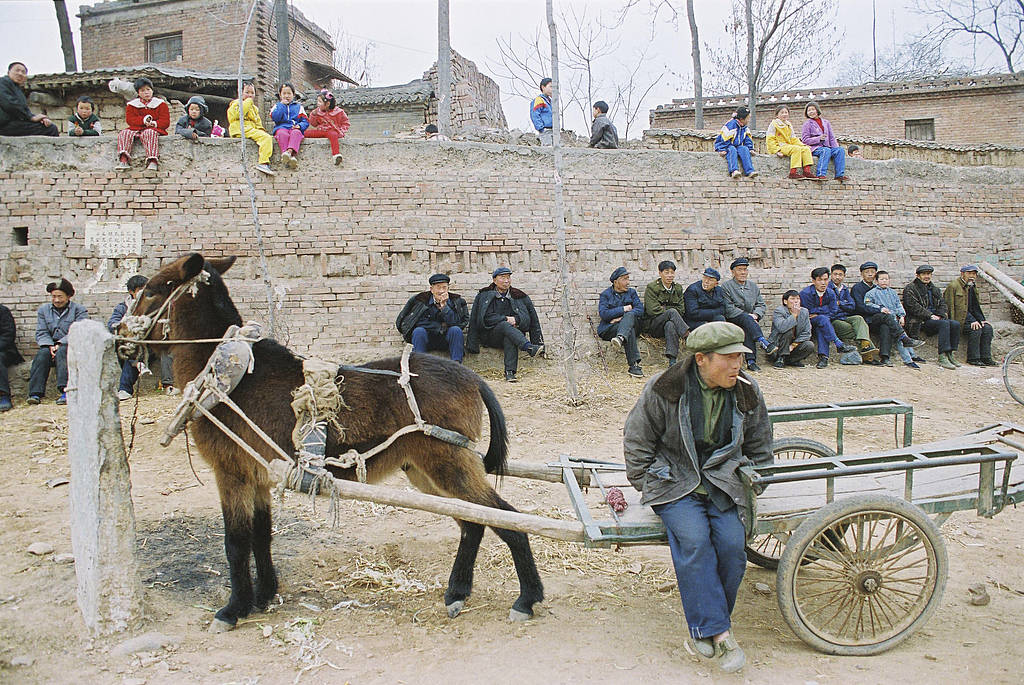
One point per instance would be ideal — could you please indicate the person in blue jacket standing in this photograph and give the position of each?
(621, 311)
(540, 111)
(735, 144)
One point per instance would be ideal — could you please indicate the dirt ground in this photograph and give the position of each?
(362, 603)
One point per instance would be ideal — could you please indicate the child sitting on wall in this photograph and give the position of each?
(194, 125)
(735, 144)
(290, 124)
(148, 118)
(779, 140)
(253, 127)
(83, 121)
(328, 121)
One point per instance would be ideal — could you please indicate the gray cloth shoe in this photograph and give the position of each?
(705, 647)
(728, 655)
(945, 363)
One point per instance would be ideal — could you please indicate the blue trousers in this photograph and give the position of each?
(423, 340)
(836, 154)
(707, 552)
(742, 154)
(824, 333)
(751, 333)
(129, 374)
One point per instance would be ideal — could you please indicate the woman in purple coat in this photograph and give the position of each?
(817, 132)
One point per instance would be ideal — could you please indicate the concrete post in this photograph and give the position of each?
(102, 517)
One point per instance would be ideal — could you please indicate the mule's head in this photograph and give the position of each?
(149, 317)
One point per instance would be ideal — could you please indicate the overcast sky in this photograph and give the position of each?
(405, 36)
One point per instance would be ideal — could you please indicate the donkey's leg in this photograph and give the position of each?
(237, 495)
(266, 576)
(531, 590)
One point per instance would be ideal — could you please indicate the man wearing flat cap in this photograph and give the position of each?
(435, 319)
(929, 313)
(961, 297)
(684, 442)
(704, 299)
(501, 318)
(53, 321)
(621, 311)
(664, 309)
(745, 307)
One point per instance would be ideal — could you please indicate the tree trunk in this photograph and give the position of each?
(751, 84)
(698, 81)
(444, 71)
(568, 331)
(67, 40)
(284, 52)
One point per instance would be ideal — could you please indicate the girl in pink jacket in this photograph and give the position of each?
(328, 121)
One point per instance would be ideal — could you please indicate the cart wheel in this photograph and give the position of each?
(861, 574)
(1013, 373)
(764, 550)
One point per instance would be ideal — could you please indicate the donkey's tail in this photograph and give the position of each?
(496, 458)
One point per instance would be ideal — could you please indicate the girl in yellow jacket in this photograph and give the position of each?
(781, 141)
(253, 127)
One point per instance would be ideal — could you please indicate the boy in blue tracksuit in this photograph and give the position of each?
(621, 311)
(820, 301)
(735, 144)
(540, 111)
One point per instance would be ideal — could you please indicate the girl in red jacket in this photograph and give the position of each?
(328, 121)
(148, 117)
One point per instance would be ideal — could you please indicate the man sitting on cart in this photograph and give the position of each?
(691, 429)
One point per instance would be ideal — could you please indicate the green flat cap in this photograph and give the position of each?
(717, 336)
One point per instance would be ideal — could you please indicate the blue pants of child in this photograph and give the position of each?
(423, 340)
(741, 153)
(836, 154)
(707, 552)
(824, 333)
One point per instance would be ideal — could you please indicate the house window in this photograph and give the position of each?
(161, 49)
(920, 129)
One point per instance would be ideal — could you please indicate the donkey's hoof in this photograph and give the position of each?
(455, 608)
(219, 626)
(517, 616)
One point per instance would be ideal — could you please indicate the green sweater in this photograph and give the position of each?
(658, 300)
(90, 127)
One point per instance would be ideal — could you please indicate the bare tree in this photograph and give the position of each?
(631, 92)
(768, 46)
(585, 42)
(354, 57)
(914, 60)
(67, 40)
(999, 21)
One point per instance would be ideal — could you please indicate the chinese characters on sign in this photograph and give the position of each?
(113, 239)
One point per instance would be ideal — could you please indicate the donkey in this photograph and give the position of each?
(450, 396)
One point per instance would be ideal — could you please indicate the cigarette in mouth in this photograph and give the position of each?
(741, 379)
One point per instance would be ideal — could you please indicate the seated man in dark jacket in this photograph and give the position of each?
(704, 300)
(15, 117)
(9, 355)
(621, 310)
(435, 319)
(927, 311)
(53, 321)
(501, 316)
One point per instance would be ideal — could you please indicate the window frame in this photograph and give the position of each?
(150, 40)
(918, 126)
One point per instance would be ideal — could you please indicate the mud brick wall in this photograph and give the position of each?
(346, 246)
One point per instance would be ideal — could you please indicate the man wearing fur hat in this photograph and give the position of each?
(53, 321)
(684, 441)
(435, 319)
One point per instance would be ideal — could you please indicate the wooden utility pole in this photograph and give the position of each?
(698, 81)
(568, 330)
(67, 40)
(444, 71)
(284, 51)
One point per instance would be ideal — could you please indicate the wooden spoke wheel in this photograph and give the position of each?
(1013, 373)
(861, 574)
(765, 550)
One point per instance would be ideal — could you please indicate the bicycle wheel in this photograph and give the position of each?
(1013, 373)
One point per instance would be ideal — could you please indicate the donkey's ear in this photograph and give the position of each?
(221, 264)
(192, 265)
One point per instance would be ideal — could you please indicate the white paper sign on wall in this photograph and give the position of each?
(113, 238)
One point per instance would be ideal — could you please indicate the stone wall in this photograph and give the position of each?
(476, 100)
(689, 140)
(346, 246)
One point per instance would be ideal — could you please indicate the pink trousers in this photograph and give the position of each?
(289, 139)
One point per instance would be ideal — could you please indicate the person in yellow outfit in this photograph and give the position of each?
(253, 127)
(781, 141)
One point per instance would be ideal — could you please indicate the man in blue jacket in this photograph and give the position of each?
(735, 144)
(53, 321)
(822, 307)
(540, 111)
(621, 311)
(704, 300)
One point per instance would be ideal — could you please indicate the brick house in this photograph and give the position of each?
(950, 110)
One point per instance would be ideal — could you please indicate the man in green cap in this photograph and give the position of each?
(691, 429)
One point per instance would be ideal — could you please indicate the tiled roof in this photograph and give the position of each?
(160, 74)
(417, 91)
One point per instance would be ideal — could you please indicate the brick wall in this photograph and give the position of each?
(346, 250)
(476, 100)
(992, 115)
